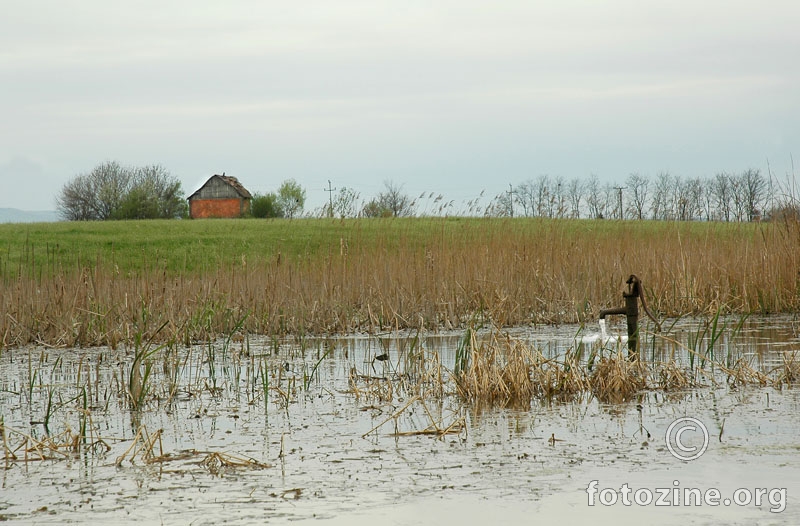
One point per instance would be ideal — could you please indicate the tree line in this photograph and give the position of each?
(112, 191)
(744, 196)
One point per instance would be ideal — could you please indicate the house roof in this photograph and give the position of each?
(230, 181)
(234, 182)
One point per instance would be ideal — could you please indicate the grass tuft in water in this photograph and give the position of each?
(140, 369)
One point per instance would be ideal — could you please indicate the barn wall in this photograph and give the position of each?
(202, 208)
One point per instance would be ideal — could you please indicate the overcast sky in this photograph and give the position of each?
(451, 97)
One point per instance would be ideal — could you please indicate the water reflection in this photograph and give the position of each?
(762, 339)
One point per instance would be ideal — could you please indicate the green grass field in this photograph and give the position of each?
(191, 246)
(188, 246)
(90, 283)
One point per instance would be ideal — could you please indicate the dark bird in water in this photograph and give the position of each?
(381, 358)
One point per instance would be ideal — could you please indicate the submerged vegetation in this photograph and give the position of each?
(71, 394)
(84, 284)
(295, 418)
(506, 371)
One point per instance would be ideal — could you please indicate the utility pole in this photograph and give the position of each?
(619, 189)
(511, 199)
(771, 193)
(330, 198)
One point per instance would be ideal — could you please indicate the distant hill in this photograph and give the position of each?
(13, 215)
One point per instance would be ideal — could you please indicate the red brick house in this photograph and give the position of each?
(220, 196)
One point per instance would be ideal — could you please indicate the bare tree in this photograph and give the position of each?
(680, 202)
(396, 200)
(95, 195)
(694, 193)
(721, 189)
(708, 200)
(575, 190)
(595, 198)
(557, 201)
(662, 204)
(738, 199)
(525, 197)
(541, 195)
(544, 197)
(638, 186)
(392, 202)
(754, 187)
(76, 201)
(610, 201)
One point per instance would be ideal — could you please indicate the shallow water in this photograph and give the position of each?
(326, 461)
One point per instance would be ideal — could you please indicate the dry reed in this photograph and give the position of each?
(788, 373)
(436, 427)
(30, 449)
(148, 448)
(616, 378)
(560, 380)
(216, 463)
(670, 376)
(441, 275)
(374, 388)
(497, 372)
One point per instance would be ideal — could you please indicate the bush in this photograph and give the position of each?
(265, 205)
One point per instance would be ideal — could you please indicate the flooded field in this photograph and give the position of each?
(371, 428)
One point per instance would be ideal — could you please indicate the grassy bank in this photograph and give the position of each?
(98, 283)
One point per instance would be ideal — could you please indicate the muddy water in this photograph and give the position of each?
(323, 455)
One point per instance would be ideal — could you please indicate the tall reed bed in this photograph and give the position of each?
(91, 284)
